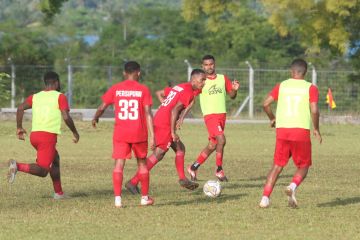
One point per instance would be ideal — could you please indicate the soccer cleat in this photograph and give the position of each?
(221, 176)
(118, 202)
(60, 196)
(134, 189)
(192, 173)
(186, 183)
(291, 197)
(265, 202)
(12, 171)
(146, 201)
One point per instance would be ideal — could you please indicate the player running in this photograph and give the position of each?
(133, 121)
(48, 106)
(213, 107)
(165, 119)
(293, 121)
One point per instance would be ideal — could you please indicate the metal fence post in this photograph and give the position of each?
(13, 86)
(313, 74)
(189, 69)
(109, 76)
(69, 68)
(251, 90)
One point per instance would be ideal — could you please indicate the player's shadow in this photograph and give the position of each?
(93, 192)
(340, 202)
(248, 185)
(205, 200)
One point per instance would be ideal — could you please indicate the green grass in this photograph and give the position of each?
(329, 198)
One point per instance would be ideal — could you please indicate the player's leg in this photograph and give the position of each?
(281, 158)
(117, 180)
(157, 155)
(44, 143)
(221, 141)
(203, 156)
(144, 178)
(55, 177)
(301, 154)
(179, 149)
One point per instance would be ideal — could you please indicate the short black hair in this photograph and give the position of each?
(131, 67)
(207, 57)
(299, 66)
(197, 71)
(50, 78)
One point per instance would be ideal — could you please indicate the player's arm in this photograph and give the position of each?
(70, 123)
(150, 126)
(267, 108)
(232, 87)
(99, 112)
(175, 112)
(160, 94)
(20, 131)
(315, 115)
(184, 113)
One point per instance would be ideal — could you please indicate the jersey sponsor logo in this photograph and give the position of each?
(122, 93)
(214, 90)
(219, 128)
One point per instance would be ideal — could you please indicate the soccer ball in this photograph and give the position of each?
(212, 188)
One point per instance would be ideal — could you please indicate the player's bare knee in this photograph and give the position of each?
(211, 146)
(221, 140)
(43, 173)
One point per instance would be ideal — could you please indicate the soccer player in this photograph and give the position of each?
(162, 94)
(48, 106)
(297, 107)
(213, 107)
(133, 121)
(165, 119)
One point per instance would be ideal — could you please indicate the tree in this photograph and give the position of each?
(320, 24)
(4, 88)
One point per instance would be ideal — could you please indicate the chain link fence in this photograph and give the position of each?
(84, 85)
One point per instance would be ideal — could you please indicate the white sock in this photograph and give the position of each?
(145, 197)
(117, 200)
(293, 186)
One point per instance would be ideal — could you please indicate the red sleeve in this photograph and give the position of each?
(167, 91)
(147, 97)
(275, 92)
(63, 102)
(108, 97)
(197, 92)
(313, 94)
(228, 84)
(186, 97)
(29, 100)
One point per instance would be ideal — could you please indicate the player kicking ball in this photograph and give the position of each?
(48, 106)
(165, 120)
(133, 120)
(297, 107)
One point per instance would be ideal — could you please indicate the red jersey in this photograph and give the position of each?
(63, 103)
(183, 93)
(295, 134)
(129, 98)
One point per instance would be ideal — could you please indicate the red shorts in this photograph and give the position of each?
(215, 124)
(45, 145)
(163, 137)
(122, 150)
(299, 151)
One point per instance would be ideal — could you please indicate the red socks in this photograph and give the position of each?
(297, 179)
(179, 162)
(150, 163)
(57, 187)
(143, 175)
(117, 181)
(202, 158)
(23, 167)
(219, 158)
(267, 190)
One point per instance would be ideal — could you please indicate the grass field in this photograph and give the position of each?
(329, 198)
